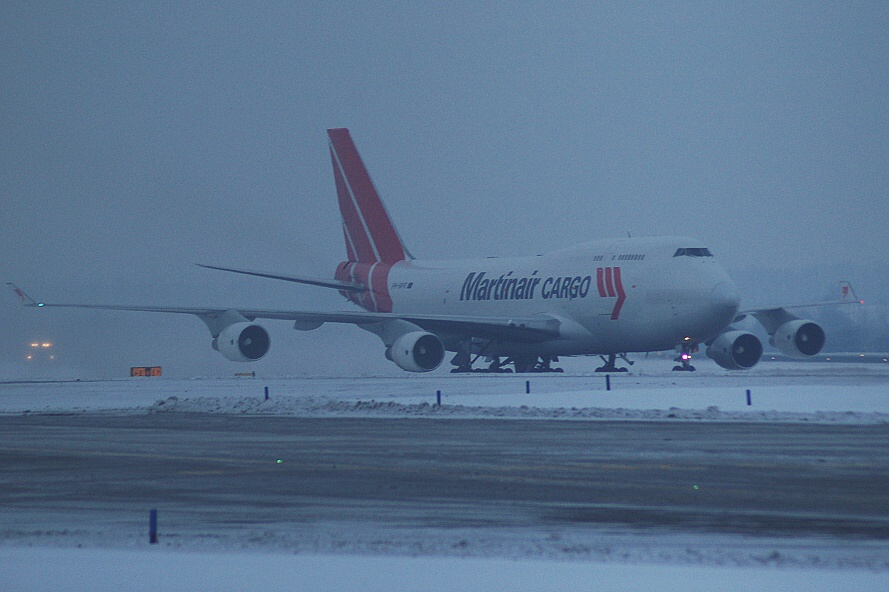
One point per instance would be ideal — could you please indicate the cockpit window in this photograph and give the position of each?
(693, 252)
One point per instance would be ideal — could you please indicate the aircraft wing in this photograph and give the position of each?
(530, 329)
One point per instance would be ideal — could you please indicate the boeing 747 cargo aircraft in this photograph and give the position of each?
(606, 298)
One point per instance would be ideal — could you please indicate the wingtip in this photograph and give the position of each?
(26, 300)
(847, 293)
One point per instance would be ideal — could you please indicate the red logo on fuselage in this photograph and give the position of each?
(610, 285)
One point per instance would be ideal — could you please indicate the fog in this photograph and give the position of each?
(140, 139)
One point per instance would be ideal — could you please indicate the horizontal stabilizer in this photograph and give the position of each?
(335, 284)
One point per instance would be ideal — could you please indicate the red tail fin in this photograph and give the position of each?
(369, 232)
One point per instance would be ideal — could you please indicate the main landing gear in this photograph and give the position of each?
(464, 362)
(498, 365)
(685, 349)
(610, 365)
(535, 364)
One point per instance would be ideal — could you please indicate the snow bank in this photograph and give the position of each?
(320, 407)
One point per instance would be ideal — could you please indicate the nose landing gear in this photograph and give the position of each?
(685, 349)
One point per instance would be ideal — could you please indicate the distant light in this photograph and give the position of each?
(828, 359)
(35, 345)
(40, 304)
(861, 302)
(696, 487)
(860, 355)
(279, 461)
(46, 344)
(29, 357)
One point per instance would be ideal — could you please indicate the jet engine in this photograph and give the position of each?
(243, 342)
(799, 339)
(735, 350)
(417, 351)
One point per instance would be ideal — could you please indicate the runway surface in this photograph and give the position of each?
(382, 485)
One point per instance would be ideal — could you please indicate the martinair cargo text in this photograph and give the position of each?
(604, 298)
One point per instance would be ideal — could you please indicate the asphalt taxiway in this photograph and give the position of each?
(218, 474)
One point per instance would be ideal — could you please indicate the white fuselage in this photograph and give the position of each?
(623, 295)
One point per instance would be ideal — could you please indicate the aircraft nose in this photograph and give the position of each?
(724, 299)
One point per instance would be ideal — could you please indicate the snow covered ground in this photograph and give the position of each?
(89, 570)
(822, 393)
(779, 392)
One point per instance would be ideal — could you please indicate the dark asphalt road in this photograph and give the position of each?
(219, 471)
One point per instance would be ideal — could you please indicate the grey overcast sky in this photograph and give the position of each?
(140, 138)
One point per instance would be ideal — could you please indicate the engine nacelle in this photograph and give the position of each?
(798, 339)
(735, 350)
(243, 342)
(417, 351)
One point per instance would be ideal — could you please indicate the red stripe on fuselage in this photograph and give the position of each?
(375, 276)
(379, 282)
(609, 283)
(600, 282)
(621, 295)
(344, 273)
(362, 274)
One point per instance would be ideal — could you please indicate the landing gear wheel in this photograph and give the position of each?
(522, 364)
(535, 364)
(610, 366)
(498, 366)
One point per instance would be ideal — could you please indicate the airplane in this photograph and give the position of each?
(606, 298)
